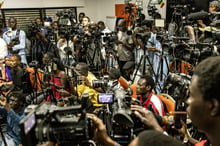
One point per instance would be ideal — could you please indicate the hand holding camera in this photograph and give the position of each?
(146, 117)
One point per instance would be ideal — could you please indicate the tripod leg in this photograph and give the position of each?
(139, 64)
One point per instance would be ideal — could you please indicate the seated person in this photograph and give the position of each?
(129, 72)
(6, 71)
(114, 75)
(14, 112)
(20, 76)
(85, 86)
(58, 78)
(147, 98)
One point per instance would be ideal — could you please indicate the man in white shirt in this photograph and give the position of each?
(3, 49)
(15, 39)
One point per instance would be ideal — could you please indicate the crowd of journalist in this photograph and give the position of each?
(86, 85)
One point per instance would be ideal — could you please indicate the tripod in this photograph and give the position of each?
(111, 59)
(143, 59)
(97, 55)
(162, 71)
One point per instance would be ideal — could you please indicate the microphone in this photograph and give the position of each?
(198, 15)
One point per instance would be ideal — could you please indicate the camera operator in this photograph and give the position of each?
(85, 22)
(151, 138)
(13, 111)
(56, 30)
(147, 98)
(81, 15)
(205, 25)
(15, 39)
(58, 78)
(124, 44)
(85, 84)
(39, 42)
(104, 30)
(66, 51)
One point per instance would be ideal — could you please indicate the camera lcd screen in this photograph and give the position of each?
(29, 123)
(105, 98)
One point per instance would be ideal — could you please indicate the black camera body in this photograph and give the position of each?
(34, 64)
(110, 37)
(34, 27)
(58, 124)
(15, 41)
(142, 35)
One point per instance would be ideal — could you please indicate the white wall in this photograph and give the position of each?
(96, 9)
(41, 3)
(99, 9)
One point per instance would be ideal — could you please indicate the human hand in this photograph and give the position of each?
(182, 131)
(146, 117)
(100, 133)
(3, 101)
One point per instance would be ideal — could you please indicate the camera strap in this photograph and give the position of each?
(17, 34)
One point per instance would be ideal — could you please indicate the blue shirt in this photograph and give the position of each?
(13, 120)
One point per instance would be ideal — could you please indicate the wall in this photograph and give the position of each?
(95, 9)
(41, 3)
(99, 9)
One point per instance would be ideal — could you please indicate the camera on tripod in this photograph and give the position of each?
(152, 11)
(143, 35)
(34, 27)
(128, 7)
(64, 13)
(66, 17)
(61, 125)
(110, 37)
(66, 31)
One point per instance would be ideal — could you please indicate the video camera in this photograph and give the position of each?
(177, 86)
(34, 27)
(110, 37)
(143, 35)
(66, 17)
(102, 82)
(61, 125)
